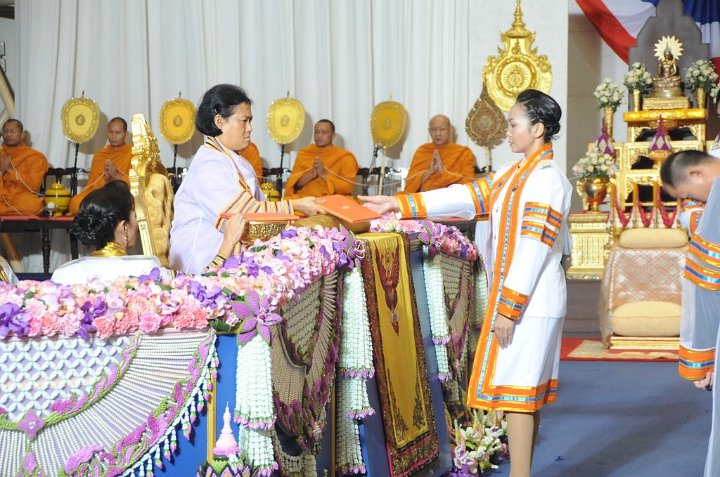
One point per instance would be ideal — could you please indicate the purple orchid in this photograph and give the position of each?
(154, 276)
(90, 312)
(426, 237)
(257, 317)
(288, 233)
(13, 319)
(211, 296)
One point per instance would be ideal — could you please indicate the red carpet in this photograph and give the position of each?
(583, 349)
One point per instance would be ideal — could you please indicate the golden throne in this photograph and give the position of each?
(150, 185)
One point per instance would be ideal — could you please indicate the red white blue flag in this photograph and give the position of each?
(619, 21)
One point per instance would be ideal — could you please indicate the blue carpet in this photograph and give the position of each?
(622, 419)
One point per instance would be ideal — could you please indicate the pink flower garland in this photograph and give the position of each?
(276, 270)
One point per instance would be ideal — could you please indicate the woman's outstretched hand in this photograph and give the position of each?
(308, 206)
(232, 233)
(382, 204)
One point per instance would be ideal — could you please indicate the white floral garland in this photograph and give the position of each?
(435, 291)
(254, 407)
(355, 368)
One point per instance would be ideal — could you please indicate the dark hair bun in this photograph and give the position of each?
(541, 108)
(220, 99)
(100, 212)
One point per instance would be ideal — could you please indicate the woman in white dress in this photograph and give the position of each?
(527, 204)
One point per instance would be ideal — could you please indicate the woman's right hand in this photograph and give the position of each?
(308, 206)
(232, 233)
(382, 204)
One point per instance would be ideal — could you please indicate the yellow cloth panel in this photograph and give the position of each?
(653, 238)
(647, 318)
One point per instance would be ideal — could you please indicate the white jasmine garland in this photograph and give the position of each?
(435, 291)
(480, 298)
(254, 407)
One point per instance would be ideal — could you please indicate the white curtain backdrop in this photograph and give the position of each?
(339, 58)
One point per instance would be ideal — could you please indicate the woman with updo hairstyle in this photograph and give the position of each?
(106, 223)
(527, 204)
(220, 185)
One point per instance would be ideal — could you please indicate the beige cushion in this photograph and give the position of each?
(653, 238)
(646, 318)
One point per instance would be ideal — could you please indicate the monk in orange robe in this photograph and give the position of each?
(440, 163)
(252, 155)
(322, 168)
(110, 163)
(23, 170)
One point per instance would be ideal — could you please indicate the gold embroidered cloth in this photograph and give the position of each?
(640, 275)
(399, 355)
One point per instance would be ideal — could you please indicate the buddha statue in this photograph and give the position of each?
(667, 83)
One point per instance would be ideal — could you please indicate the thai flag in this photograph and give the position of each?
(619, 21)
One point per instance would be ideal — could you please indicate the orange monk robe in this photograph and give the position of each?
(340, 166)
(458, 161)
(18, 187)
(252, 155)
(119, 156)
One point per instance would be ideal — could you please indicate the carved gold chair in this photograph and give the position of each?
(153, 192)
(641, 287)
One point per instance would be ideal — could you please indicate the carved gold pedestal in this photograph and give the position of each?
(590, 239)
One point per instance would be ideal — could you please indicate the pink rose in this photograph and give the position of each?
(150, 322)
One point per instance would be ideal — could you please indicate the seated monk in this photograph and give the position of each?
(322, 169)
(440, 163)
(22, 172)
(252, 155)
(109, 164)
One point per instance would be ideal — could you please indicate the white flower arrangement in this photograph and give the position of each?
(435, 290)
(608, 94)
(595, 165)
(701, 74)
(478, 445)
(638, 78)
(715, 91)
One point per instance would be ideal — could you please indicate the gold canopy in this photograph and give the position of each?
(177, 120)
(80, 119)
(285, 120)
(387, 123)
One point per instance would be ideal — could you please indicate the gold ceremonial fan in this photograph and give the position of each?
(80, 118)
(177, 120)
(285, 120)
(387, 123)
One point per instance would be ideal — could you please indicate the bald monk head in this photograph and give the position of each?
(13, 133)
(117, 132)
(324, 133)
(440, 129)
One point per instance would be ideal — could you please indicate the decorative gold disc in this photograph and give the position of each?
(80, 119)
(177, 120)
(285, 120)
(387, 123)
(517, 67)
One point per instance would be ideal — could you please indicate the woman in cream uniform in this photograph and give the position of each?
(517, 359)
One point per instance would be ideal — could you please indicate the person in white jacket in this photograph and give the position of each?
(527, 204)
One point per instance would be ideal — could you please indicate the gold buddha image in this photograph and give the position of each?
(667, 83)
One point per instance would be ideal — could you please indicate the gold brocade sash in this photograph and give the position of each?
(399, 354)
(111, 249)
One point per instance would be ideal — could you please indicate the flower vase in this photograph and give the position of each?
(608, 117)
(700, 97)
(637, 97)
(595, 191)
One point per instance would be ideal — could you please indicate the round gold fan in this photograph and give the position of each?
(177, 120)
(285, 120)
(80, 118)
(387, 123)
